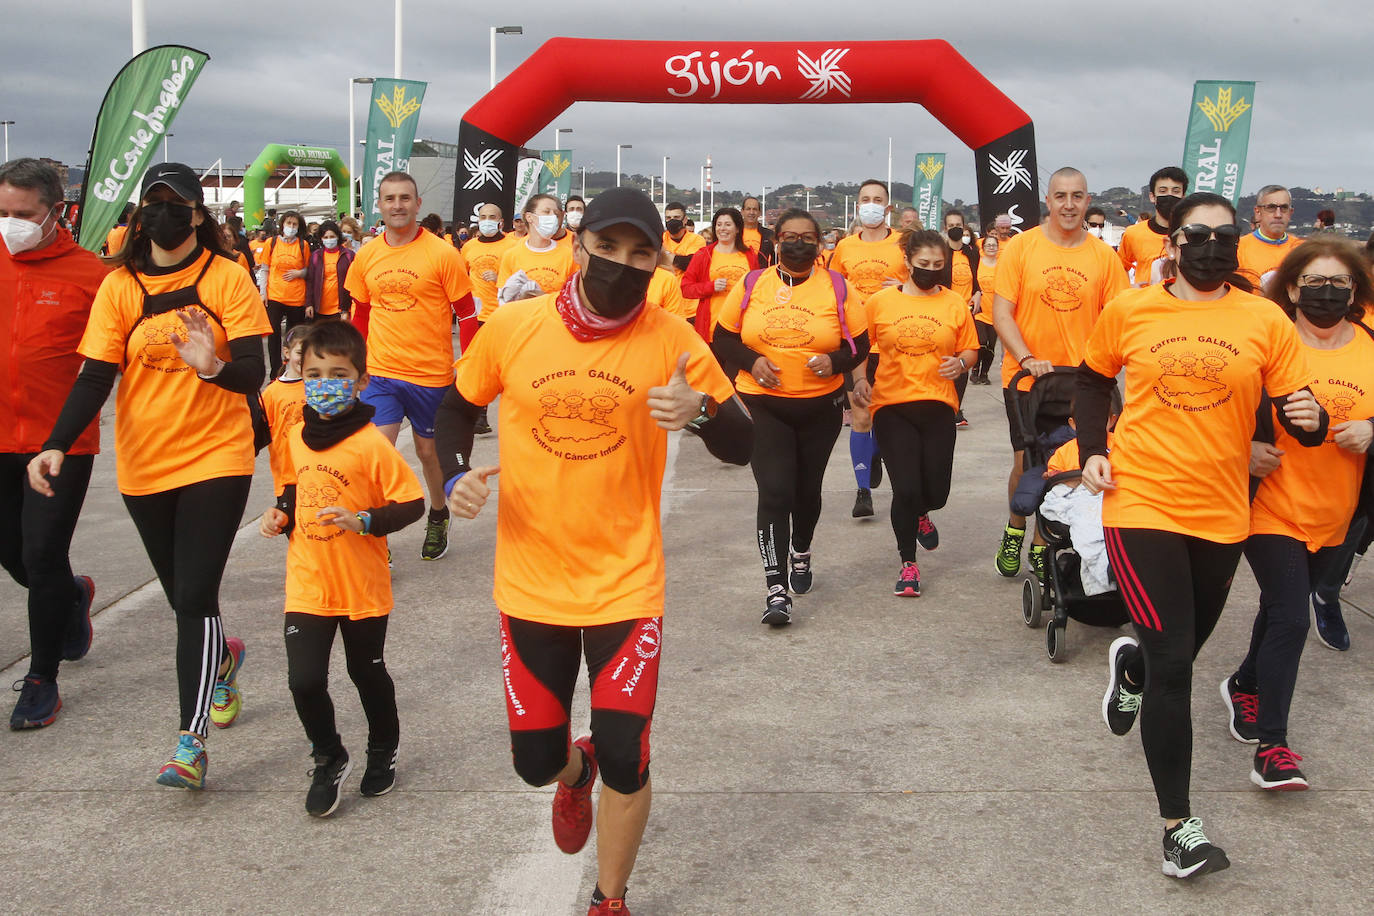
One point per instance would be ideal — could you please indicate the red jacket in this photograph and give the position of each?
(45, 299)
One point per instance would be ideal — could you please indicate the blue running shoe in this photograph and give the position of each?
(187, 766)
(38, 703)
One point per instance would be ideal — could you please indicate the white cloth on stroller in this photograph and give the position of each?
(1082, 512)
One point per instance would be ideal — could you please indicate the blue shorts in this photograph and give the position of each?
(395, 400)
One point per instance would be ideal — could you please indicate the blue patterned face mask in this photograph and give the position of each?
(330, 397)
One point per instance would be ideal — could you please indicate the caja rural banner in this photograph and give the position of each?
(929, 184)
(1218, 136)
(392, 117)
(556, 177)
(138, 111)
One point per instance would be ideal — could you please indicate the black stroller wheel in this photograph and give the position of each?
(1056, 641)
(1032, 602)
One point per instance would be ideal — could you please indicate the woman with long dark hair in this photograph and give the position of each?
(715, 269)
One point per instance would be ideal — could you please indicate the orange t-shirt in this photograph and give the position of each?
(242, 260)
(1065, 458)
(173, 428)
(789, 325)
(688, 245)
(961, 273)
(283, 255)
(1139, 248)
(282, 402)
(411, 289)
(259, 249)
(114, 239)
(1258, 256)
(329, 292)
(911, 335)
(732, 265)
(666, 293)
(582, 461)
(987, 282)
(331, 571)
(1194, 371)
(867, 264)
(1312, 494)
(1058, 294)
(550, 268)
(484, 260)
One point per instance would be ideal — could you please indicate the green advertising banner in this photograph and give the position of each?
(929, 185)
(138, 110)
(527, 173)
(556, 176)
(1218, 136)
(393, 115)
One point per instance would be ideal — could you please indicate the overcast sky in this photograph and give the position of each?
(1108, 85)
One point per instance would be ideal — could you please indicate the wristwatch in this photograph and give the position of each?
(706, 414)
(365, 519)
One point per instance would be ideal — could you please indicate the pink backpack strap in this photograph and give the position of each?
(841, 293)
(750, 280)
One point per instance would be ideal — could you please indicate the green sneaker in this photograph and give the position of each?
(1037, 561)
(436, 540)
(1009, 554)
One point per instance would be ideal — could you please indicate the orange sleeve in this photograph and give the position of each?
(729, 317)
(478, 372)
(1286, 370)
(1103, 353)
(356, 282)
(855, 312)
(239, 306)
(1007, 282)
(288, 467)
(965, 336)
(1116, 278)
(506, 268)
(109, 325)
(397, 481)
(453, 274)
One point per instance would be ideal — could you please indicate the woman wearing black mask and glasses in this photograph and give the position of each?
(1306, 500)
(793, 331)
(1197, 352)
(183, 324)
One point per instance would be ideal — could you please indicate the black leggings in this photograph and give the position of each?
(35, 539)
(309, 639)
(188, 532)
(793, 438)
(918, 440)
(987, 346)
(276, 314)
(1328, 587)
(1175, 586)
(1285, 572)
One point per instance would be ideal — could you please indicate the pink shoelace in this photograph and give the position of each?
(1280, 757)
(910, 573)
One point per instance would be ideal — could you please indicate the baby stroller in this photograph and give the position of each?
(1039, 415)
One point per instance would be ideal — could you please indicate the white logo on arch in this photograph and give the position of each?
(1011, 171)
(824, 73)
(483, 167)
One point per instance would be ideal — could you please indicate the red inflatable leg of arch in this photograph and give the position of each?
(929, 73)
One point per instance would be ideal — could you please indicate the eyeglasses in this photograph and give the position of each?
(809, 237)
(1275, 208)
(1097, 225)
(1340, 281)
(1198, 234)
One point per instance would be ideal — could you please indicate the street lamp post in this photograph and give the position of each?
(665, 181)
(165, 138)
(352, 142)
(763, 204)
(7, 139)
(397, 41)
(501, 30)
(618, 148)
(558, 136)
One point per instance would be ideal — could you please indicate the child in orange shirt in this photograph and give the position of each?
(282, 401)
(346, 489)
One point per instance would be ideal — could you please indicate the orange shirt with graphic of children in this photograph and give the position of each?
(550, 268)
(912, 335)
(867, 264)
(484, 260)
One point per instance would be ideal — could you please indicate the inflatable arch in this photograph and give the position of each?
(929, 73)
(278, 154)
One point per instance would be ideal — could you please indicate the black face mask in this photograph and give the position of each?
(925, 278)
(1164, 205)
(1324, 306)
(1207, 266)
(674, 226)
(614, 289)
(798, 255)
(956, 234)
(168, 224)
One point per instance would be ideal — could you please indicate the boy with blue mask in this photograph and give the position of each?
(346, 488)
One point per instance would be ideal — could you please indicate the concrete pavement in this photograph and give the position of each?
(881, 755)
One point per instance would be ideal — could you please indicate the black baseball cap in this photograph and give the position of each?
(180, 178)
(625, 205)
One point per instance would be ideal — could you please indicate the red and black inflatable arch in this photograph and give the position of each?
(930, 73)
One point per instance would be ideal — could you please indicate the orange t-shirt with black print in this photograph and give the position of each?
(1065, 458)
(789, 325)
(1312, 495)
(173, 428)
(550, 268)
(1194, 371)
(666, 293)
(411, 289)
(331, 571)
(282, 402)
(329, 291)
(732, 265)
(911, 335)
(688, 245)
(987, 282)
(1258, 256)
(961, 273)
(1057, 293)
(578, 539)
(283, 255)
(867, 264)
(1139, 248)
(484, 259)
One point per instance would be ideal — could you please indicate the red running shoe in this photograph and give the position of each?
(572, 810)
(909, 584)
(612, 905)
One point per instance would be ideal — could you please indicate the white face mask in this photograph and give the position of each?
(348, 236)
(21, 234)
(871, 214)
(330, 243)
(1095, 232)
(547, 225)
(574, 219)
(488, 226)
(289, 232)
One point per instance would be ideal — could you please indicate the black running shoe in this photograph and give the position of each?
(799, 572)
(436, 539)
(1276, 769)
(779, 610)
(76, 641)
(482, 426)
(863, 504)
(380, 776)
(38, 703)
(1242, 711)
(1331, 629)
(1120, 704)
(1188, 853)
(327, 779)
(927, 535)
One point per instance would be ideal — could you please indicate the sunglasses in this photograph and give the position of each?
(1198, 234)
(1097, 225)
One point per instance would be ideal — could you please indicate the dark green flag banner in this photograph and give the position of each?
(392, 118)
(556, 176)
(138, 111)
(1218, 136)
(930, 185)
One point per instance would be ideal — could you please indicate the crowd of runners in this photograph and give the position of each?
(596, 328)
